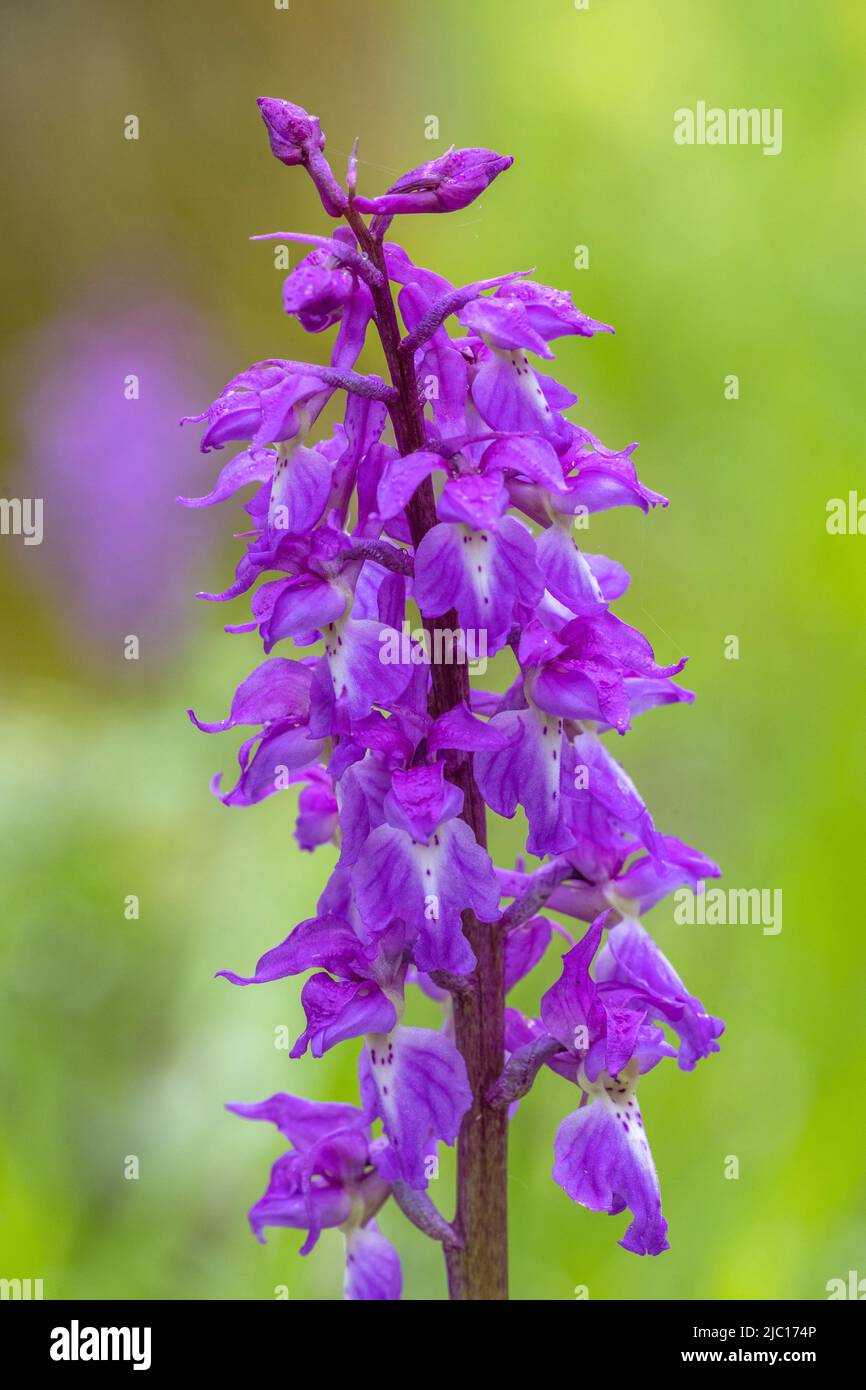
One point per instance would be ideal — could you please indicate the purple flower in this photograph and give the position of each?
(603, 1159)
(328, 1179)
(478, 562)
(317, 291)
(292, 132)
(581, 673)
(261, 405)
(511, 396)
(631, 960)
(358, 987)
(605, 812)
(603, 1162)
(523, 314)
(601, 478)
(532, 772)
(425, 863)
(448, 491)
(446, 184)
(318, 809)
(296, 138)
(414, 1080)
(275, 695)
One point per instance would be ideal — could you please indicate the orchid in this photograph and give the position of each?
(443, 499)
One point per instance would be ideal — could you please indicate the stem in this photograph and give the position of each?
(390, 557)
(370, 387)
(449, 304)
(538, 888)
(418, 1207)
(522, 1068)
(478, 1269)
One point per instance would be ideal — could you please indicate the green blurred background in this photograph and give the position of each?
(116, 1040)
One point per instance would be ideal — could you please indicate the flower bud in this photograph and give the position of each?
(446, 184)
(293, 133)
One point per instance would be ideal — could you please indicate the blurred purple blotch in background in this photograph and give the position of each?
(96, 395)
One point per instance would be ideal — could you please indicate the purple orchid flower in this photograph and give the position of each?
(477, 560)
(291, 131)
(275, 695)
(631, 959)
(428, 860)
(415, 1081)
(317, 291)
(328, 1179)
(524, 315)
(452, 489)
(581, 672)
(446, 184)
(603, 1159)
(412, 1079)
(318, 809)
(263, 404)
(296, 138)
